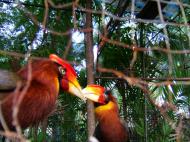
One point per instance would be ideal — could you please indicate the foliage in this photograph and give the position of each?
(21, 35)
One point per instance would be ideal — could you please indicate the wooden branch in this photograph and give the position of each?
(143, 86)
(90, 69)
(146, 79)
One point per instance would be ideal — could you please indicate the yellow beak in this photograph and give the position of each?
(75, 89)
(94, 93)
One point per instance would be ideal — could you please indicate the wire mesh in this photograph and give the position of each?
(158, 29)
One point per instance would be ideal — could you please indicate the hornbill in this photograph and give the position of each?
(110, 127)
(41, 80)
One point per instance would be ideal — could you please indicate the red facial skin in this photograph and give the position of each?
(64, 83)
(69, 80)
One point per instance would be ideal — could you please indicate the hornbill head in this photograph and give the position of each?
(104, 101)
(68, 77)
(98, 94)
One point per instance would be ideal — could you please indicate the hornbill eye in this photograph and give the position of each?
(62, 70)
(106, 98)
(106, 94)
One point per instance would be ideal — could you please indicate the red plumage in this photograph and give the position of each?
(110, 128)
(40, 98)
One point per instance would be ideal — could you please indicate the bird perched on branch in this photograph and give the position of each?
(40, 82)
(110, 128)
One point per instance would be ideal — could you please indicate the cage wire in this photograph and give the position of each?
(168, 19)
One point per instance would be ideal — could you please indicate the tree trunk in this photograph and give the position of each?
(90, 68)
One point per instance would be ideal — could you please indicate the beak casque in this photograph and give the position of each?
(94, 93)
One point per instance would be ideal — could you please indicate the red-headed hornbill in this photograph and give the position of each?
(110, 128)
(47, 75)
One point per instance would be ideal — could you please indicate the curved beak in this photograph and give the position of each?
(69, 82)
(94, 93)
(75, 89)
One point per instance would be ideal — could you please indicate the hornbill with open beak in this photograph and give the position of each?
(110, 128)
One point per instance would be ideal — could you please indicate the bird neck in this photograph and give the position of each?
(110, 127)
(107, 111)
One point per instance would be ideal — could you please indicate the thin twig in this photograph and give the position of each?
(19, 96)
(74, 7)
(67, 48)
(60, 6)
(170, 64)
(135, 53)
(142, 49)
(178, 130)
(46, 14)
(142, 85)
(127, 18)
(13, 136)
